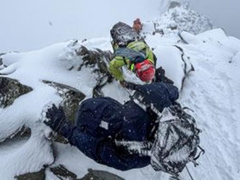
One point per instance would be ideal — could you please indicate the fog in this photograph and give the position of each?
(28, 25)
(223, 13)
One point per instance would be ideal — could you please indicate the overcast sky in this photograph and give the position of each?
(27, 25)
(223, 13)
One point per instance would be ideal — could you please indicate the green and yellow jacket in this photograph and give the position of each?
(118, 62)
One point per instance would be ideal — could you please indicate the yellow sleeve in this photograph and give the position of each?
(149, 55)
(115, 68)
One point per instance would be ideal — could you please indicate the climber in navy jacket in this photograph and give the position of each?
(102, 121)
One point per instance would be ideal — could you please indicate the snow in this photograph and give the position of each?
(182, 18)
(169, 56)
(22, 156)
(212, 91)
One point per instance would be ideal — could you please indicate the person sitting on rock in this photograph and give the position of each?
(101, 122)
(130, 50)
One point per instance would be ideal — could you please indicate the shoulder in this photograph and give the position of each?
(135, 44)
(117, 62)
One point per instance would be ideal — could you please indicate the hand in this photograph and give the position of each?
(55, 117)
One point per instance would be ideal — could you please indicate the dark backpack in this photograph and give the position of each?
(132, 55)
(123, 34)
(176, 143)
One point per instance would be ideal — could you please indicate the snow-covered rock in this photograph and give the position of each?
(179, 17)
(10, 90)
(212, 91)
(27, 89)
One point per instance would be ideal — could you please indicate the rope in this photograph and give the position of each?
(189, 173)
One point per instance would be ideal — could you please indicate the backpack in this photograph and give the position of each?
(132, 55)
(123, 34)
(143, 68)
(177, 141)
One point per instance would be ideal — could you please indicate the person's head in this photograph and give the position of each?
(145, 71)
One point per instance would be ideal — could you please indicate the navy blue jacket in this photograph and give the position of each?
(101, 120)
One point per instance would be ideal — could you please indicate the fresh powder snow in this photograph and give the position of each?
(212, 91)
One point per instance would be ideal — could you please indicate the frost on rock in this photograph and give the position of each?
(40, 175)
(180, 18)
(71, 98)
(64, 74)
(65, 71)
(63, 173)
(22, 132)
(98, 60)
(100, 175)
(11, 89)
(78, 56)
(72, 72)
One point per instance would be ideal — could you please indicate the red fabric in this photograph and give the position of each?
(145, 71)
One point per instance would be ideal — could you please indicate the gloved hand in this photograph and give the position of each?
(55, 117)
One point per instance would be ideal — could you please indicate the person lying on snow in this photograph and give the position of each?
(101, 122)
(131, 51)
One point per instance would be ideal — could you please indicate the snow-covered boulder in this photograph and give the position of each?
(71, 98)
(179, 17)
(10, 90)
(65, 74)
(211, 91)
(29, 82)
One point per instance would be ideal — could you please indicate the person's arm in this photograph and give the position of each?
(76, 135)
(83, 141)
(149, 55)
(172, 91)
(102, 150)
(115, 68)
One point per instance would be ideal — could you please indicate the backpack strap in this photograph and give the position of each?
(132, 55)
(130, 64)
(124, 60)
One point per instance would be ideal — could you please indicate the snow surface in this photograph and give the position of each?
(212, 91)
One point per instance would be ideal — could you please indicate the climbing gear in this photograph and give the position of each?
(145, 71)
(143, 68)
(177, 141)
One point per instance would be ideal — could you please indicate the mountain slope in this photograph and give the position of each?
(212, 91)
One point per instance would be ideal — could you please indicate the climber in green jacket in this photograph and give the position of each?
(131, 51)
